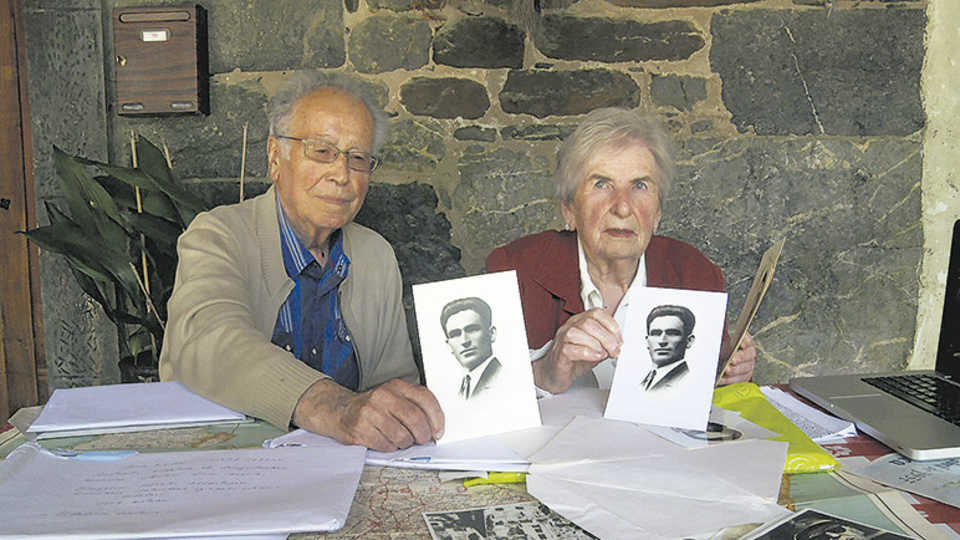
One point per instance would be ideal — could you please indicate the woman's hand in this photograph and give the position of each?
(585, 340)
(740, 368)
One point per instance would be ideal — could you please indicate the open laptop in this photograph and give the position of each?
(908, 425)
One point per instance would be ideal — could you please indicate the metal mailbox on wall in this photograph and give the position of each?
(161, 60)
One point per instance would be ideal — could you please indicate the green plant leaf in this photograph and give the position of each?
(96, 289)
(153, 162)
(56, 216)
(140, 340)
(160, 205)
(90, 255)
(121, 192)
(93, 287)
(183, 202)
(129, 176)
(163, 232)
(89, 203)
(63, 239)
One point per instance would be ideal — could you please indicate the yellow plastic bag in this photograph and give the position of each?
(803, 455)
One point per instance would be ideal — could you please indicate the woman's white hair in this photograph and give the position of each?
(613, 127)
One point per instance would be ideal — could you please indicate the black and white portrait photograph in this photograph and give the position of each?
(475, 354)
(470, 333)
(668, 362)
(520, 521)
(810, 524)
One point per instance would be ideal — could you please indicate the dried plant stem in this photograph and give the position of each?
(243, 158)
(143, 281)
(143, 241)
(150, 307)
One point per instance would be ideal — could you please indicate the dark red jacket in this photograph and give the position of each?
(548, 269)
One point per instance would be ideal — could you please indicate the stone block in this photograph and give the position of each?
(676, 3)
(566, 93)
(408, 217)
(503, 194)
(475, 133)
(275, 35)
(479, 42)
(406, 5)
(414, 145)
(567, 37)
(844, 296)
(387, 41)
(677, 91)
(854, 72)
(701, 126)
(540, 132)
(446, 97)
(211, 146)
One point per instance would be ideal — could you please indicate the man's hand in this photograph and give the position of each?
(740, 368)
(585, 340)
(387, 418)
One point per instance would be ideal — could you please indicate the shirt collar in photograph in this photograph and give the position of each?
(476, 372)
(663, 371)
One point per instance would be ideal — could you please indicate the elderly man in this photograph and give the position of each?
(284, 308)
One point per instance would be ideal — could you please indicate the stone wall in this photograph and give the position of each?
(796, 119)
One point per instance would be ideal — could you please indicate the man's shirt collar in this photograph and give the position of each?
(479, 369)
(296, 256)
(476, 373)
(663, 371)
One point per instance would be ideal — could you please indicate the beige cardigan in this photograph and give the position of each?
(229, 287)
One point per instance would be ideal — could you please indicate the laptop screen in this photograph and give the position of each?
(948, 351)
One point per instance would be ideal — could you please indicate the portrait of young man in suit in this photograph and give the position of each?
(468, 327)
(669, 335)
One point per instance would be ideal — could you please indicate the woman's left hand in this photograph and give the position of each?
(740, 368)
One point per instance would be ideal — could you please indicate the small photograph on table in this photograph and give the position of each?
(668, 363)
(475, 355)
(520, 521)
(811, 524)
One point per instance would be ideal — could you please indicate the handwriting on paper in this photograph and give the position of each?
(251, 491)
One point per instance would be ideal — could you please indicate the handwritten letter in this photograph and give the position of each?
(255, 491)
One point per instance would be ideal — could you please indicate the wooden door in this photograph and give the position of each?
(22, 365)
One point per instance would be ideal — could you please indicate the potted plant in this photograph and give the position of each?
(119, 241)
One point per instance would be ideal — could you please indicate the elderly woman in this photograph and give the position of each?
(613, 175)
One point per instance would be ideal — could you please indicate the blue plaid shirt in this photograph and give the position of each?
(310, 324)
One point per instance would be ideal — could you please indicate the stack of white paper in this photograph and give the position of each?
(126, 407)
(618, 480)
(481, 455)
(177, 494)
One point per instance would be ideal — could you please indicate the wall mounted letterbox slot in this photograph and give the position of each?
(161, 60)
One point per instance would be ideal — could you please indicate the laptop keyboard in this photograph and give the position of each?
(928, 392)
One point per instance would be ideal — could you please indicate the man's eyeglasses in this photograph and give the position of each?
(325, 152)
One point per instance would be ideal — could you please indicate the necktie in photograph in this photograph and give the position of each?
(648, 380)
(465, 387)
